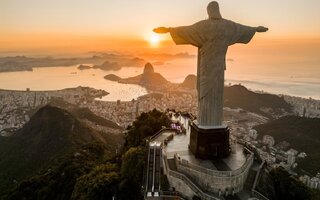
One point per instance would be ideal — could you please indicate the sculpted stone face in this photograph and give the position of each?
(212, 37)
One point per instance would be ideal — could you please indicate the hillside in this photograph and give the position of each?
(148, 79)
(265, 104)
(89, 172)
(85, 113)
(189, 82)
(236, 96)
(51, 134)
(112, 77)
(279, 184)
(239, 96)
(103, 61)
(303, 135)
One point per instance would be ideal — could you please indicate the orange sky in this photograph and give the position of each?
(59, 27)
(263, 48)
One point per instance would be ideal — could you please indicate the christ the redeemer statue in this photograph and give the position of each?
(212, 36)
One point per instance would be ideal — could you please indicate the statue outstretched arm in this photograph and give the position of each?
(261, 29)
(161, 30)
(182, 34)
(242, 33)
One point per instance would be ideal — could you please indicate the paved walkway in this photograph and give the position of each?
(163, 135)
(180, 144)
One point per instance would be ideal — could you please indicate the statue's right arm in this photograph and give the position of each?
(161, 30)
(261, 29)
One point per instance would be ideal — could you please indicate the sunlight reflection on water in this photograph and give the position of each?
(277, 79)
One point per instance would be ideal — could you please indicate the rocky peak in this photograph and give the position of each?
(190, 82)
(148, 69)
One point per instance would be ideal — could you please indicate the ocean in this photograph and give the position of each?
(293, 79)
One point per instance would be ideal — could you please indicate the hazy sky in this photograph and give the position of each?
(37, 23)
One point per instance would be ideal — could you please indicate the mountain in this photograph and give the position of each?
(22, 63)
(86, 114)
(238, 96)
(83, 67)
(149, 79)
(112, 77)
(108, 66)
(235, 96)
(265, 104)
(302, 134)
(103, 61)
(189, 82)
(50, 135)
(90, 172)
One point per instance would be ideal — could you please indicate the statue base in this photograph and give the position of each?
(209, 142)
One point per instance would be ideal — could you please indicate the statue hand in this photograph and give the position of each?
(161, 30)
(261, 29)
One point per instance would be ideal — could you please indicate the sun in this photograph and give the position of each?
(154, 40)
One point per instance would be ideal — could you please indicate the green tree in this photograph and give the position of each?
(132, 164)
(129, 190)
(100, 183)
(132, 173)
(287, 187)
(146, 125)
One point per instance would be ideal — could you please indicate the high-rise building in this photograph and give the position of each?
(291, 158)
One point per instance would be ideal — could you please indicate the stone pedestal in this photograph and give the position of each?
(209, 142)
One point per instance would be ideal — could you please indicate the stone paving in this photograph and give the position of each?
(180, 144)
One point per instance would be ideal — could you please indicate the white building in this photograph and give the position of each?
(314, 182)
(291, 158)
(253, 134)
(305, 179)
(268, 140)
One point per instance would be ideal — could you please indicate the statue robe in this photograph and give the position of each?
(212, 37)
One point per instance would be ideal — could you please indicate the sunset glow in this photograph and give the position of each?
(56, 25)
(102, 99)
(43, 28)
(154, 40)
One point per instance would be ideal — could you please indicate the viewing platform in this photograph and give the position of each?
(207, 179)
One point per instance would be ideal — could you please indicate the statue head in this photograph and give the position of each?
(213, 10)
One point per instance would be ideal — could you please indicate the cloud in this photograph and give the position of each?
(157, 63)
(122, 59)
(166, 56)
(108, 66)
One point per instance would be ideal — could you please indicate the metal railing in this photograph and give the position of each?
(254, 191)
(257, 176)
(186, 180)
(212, 172)
(159, 132)
(259, 195)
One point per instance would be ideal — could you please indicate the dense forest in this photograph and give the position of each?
(88, 170)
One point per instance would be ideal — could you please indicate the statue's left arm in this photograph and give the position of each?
(244, 34)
